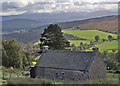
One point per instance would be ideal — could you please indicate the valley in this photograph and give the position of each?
(32, 34)
(75, 31)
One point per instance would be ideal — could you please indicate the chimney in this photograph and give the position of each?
(45, 48)
(95, 50)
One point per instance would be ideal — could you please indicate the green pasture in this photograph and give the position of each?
(103, 46)
(6, 33)
(36, 43)
(77, 42)
(108, 45)
(89, 34)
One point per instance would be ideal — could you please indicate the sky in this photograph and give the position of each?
(16, 7)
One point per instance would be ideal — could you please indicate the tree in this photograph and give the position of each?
(74, 48)
(53, 37)
(103, 40)
(111, 63)
(4, 57)
(91, 43)
(110, 37)
(13, 55)
(96, 38)
(113, 50)
(81, 43)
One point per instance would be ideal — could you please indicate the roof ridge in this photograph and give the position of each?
(72, 51)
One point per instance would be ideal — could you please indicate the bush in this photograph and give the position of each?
(111, 63)
(117, 71)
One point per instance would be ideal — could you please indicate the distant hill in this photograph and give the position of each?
(108, 23)
(20, 24)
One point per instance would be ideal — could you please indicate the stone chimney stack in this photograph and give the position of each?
(45, 48)
(95, 50)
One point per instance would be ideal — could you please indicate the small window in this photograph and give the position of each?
(56, 75)
(62, 76)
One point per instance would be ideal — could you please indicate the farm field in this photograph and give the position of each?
(108, 45)
(77, 42)
(5, 33)
(89, 34)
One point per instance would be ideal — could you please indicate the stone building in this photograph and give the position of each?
(69, 65)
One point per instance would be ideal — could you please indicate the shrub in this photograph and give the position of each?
(111, 63)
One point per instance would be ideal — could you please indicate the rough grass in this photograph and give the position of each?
(111, 78)
(89, 34)
(15, 74)
(112, 75)
(25, 81)
(90, 82)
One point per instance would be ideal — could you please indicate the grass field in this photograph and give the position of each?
(108, 45)
(6, 33)
(89, 34)
(36, 43)
(77, 42)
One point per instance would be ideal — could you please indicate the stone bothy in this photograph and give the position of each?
(69, 65)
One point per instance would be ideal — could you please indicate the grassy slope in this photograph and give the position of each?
(106, 46)
(36, 43)
(108, 23)
(77, 42)
(89, 34)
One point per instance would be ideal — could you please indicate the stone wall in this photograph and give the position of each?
(98, 69)
(60, 74)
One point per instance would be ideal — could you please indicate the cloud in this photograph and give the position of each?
(42, 6)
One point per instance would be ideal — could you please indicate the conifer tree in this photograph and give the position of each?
(53, 37)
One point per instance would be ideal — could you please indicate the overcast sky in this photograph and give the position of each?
(15, 7)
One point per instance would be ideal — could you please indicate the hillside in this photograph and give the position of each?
(108, 24)
(89, 34)
(20, 24)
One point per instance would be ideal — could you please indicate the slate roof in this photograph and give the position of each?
(74, 60)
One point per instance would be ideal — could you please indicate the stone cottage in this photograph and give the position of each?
(69, 65)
